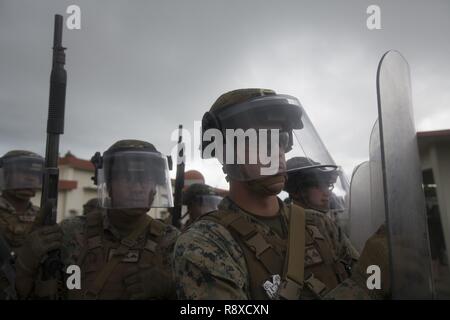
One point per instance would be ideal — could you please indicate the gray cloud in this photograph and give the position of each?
(138, 69)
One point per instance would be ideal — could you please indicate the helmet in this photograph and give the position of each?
(132, 174)
(304, 173)
(273, 116)
(196, 191)
(200, 199)
(21, 169)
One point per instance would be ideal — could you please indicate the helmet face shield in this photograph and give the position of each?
(319, 187)
(281, 111)
(255, 135)
(22, 172)
(263, 133)
(307, 143)
(203, 204)
(309, 160)
(134, 179)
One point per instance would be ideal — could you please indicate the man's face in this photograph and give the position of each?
(319, 196)
(24, 179)
(132, 193)
(269, 150)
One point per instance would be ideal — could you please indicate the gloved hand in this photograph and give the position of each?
(37, 244)
(149, 283)
(375, 252)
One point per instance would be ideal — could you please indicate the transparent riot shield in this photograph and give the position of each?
(339, 206)
(360, 228)
(403, 195)
(378, 215)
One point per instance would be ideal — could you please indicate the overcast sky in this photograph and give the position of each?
(137, 69)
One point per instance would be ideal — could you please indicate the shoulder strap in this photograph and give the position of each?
(264, 251)
(125, 245)
(292, 284)
(93, 231)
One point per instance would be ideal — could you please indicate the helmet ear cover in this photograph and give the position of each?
(209, 121)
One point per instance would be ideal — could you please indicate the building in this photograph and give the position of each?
(434, 150)
(75, 186)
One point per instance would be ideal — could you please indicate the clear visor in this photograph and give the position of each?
(261, 135)
(323, 188)
(21, 173)
(203, 204)
(134, 180)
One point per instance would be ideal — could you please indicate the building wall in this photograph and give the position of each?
(440, 156)
(70, 202)
(437, 158)
(75, 199)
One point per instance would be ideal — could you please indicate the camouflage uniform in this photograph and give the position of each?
(375, 252)
(13, 225)
(120, 251)
(90, 205)
(210, 263)
(15, 165)
(88, 241)
(234, 254)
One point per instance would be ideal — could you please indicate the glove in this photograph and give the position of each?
(375, 252)
(37, 244)
(149, 283)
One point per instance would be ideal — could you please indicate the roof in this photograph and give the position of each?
(76, 163)
(67, 185)
(427, 138)
(436, 133)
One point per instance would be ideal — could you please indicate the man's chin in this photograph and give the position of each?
(275, 188)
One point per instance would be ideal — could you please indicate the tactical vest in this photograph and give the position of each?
(96, 250)
(15, 227)
(265, 255)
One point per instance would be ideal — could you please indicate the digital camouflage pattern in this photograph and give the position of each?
(75, 242)
(210, 264)
(16, 226)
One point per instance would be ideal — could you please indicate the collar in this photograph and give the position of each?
(228, 204)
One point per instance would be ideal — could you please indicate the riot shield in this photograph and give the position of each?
(339, 206)
(359, 206)
(410, 263)
(378, 215)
